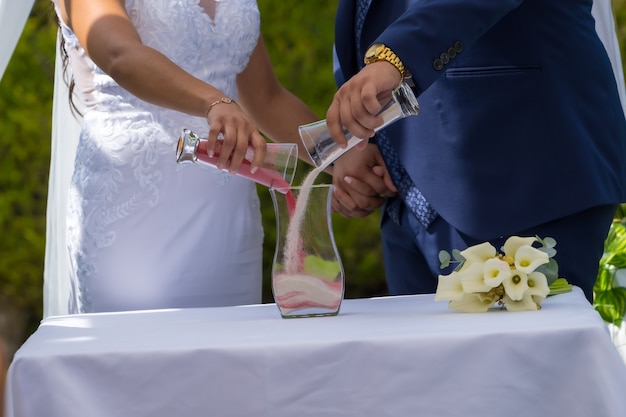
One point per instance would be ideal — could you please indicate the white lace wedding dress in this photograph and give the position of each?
(142, 231)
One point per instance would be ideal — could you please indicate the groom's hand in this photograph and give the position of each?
(357, 102)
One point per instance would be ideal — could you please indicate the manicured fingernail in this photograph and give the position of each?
(254, 169)
(211, 153)
(348, 180)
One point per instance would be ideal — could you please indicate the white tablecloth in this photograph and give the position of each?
(392, 356)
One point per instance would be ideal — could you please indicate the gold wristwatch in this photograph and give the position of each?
(381, 52)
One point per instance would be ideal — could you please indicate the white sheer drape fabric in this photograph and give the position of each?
(65, 132)
(13, 15)
(605, 26)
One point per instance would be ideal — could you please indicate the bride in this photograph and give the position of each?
(143, 232)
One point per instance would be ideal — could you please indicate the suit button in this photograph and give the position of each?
(451, 52)
(458, 46)
(444, 58)
(438, 65)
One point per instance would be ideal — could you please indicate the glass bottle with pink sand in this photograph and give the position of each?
(307, 275)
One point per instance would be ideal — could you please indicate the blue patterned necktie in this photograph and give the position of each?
(409, 193)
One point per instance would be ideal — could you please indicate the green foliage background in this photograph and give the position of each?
(299, 38)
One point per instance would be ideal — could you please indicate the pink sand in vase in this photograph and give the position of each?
(294, 292)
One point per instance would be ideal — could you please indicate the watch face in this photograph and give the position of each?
(373, 51)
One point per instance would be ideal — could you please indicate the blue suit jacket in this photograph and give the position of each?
(520, 117)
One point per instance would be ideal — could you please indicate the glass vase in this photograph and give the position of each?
(307, 274)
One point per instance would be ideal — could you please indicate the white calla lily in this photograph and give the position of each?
(473, 278)
(527, 258)
(526, 303)
(495, 271)
(516, 285)
(478, 254)
(538, 286)
(449, 287)
(471, 303)
(513, 243)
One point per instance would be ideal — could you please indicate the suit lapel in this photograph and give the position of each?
(361, 9)
(344, 37)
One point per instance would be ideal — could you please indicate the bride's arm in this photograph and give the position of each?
(277, 111)
(110, 39)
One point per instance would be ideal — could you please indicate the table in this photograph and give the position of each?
(388, 356)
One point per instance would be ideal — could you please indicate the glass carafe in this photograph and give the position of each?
(307, 274)
(276, 172)
(324, 151)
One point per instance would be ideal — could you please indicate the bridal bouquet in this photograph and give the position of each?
(517, 278)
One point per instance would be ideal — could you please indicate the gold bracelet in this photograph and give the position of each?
(225, 100)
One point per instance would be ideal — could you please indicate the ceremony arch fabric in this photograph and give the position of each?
(65, 132)
(605, 26)
(13, 15)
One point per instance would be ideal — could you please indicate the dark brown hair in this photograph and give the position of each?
(68, 78)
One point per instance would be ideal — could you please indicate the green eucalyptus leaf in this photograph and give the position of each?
(444, 259)
(550, 270)
(547, 245)
(456, 254)
(548, 242)
(549, 251)
(460, 259)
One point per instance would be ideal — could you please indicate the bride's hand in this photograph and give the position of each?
(239, 133)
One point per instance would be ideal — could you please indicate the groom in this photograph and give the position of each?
(521, 131)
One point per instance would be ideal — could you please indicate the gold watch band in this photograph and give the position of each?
(381, 52)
